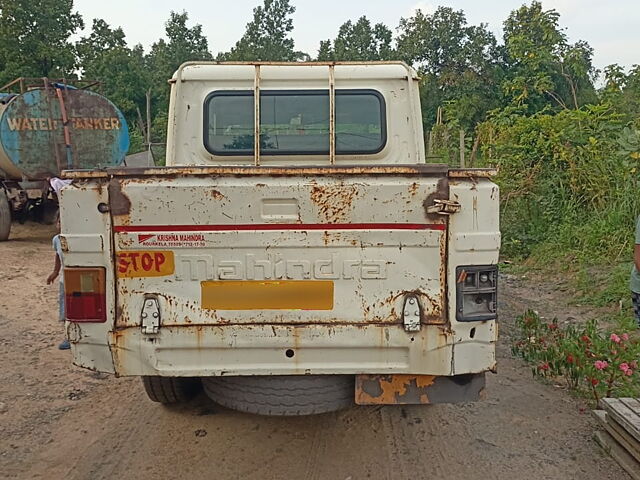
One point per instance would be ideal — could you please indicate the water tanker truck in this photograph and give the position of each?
(47, 127)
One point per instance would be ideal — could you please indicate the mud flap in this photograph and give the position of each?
(418, 389)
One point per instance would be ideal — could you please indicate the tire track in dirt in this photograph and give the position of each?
(318, 447)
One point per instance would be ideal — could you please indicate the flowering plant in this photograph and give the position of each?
(598, 363)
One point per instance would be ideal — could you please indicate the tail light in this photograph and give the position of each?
(476, 293)
(85, 295)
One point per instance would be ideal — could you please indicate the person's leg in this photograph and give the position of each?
(635, 299)
(64, 345)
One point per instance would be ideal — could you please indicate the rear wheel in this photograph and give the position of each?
(170, 390)
(5, 216)
(282, 395)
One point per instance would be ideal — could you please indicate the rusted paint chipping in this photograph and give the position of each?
(429, 169)
(393, 389)
(473, 172)
(418, 389)
(334, 201)
(119, 203)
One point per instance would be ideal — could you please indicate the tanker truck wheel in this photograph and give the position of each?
(5, 216)
(282, 395)
(49, 212)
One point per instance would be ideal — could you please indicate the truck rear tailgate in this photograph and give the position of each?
(280, 246)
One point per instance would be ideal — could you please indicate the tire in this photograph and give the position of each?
(49, 212)
(5, 216)
(282, 395)
(171, 390)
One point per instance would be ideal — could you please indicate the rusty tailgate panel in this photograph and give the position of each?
(369, 234)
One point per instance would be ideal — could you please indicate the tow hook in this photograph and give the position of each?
(411, 314)
(150, 316)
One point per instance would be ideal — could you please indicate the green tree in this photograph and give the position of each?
(544, 70)
(183, 44)
(102, 39)
(268, 36)
(34, 38)
(105, 56)
(459, 63)
(622, 90)
(359, 42)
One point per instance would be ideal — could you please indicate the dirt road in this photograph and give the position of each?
(60, 422)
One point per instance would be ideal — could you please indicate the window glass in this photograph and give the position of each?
(295, 122)
(359, 123)
(229, 124)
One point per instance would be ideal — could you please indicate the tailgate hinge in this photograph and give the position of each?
(150, 316)
(411, 317)
(444, 207)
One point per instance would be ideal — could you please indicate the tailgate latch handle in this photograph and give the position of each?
(444, 207)
(411, 316)
(150, 316)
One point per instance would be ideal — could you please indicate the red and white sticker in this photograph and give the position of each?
(172, 240)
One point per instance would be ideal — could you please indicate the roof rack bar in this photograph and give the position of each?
(332, 114)
(256, 123)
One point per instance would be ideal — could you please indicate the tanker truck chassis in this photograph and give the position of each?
(47, 126)
(22, 201)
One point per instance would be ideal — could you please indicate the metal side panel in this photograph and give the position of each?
(86, 242)
(474, 239)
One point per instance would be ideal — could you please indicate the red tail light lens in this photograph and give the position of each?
(84, 295)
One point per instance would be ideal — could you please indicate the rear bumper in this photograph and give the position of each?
(418, 389)
(199, 350)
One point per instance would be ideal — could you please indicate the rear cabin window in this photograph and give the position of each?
(294, 122)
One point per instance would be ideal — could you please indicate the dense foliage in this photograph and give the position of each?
(568, 152)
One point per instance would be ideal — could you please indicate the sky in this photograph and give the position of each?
(611, 27)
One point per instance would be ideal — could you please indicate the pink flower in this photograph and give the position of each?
(625, 336)
(624, 367)
(615, 338)
(601, 364)
(628, 373)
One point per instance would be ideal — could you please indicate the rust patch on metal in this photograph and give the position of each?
(119, 203)
(413, 189)
(215, 194)
(64, 244)
(328, 170)
(431, 310)
(393, 389)
(473, 172)
(334, 201)
(441, 193)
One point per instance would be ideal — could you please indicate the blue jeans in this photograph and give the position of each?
(61, 302)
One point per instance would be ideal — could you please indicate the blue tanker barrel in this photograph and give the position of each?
(33, 141)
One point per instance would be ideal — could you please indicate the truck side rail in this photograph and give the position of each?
(325, 170)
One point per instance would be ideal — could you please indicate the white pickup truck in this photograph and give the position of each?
(296, 255)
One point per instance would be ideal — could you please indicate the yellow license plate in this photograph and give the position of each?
(267, 295)
(145, 264)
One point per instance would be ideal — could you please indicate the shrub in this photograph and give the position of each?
(568, 182)
(592, 361)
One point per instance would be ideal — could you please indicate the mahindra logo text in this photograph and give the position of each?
(250, 267)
